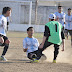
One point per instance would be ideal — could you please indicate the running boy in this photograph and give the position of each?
(3, 25)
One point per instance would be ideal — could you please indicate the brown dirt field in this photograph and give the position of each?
(18, 62)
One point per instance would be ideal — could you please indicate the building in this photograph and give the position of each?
(21, 15)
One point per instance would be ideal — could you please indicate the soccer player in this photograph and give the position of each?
(4, 41)
(30, 45)
(68, 25)
(53, 34)
(60, 16)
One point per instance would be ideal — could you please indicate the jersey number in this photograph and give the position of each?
(56, 27)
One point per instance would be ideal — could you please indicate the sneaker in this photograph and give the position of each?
(34, 60)
(3, 58)
(54, 61)
(31, 61)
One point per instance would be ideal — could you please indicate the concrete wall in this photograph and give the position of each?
(20, 15)
(23, 27)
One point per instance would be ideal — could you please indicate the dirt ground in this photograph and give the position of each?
(18, 62)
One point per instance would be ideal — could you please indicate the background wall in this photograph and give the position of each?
(20, 14)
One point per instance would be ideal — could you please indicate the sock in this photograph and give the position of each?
(5, 49)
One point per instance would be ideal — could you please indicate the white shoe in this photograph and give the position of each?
(43, 57)
(3, 58)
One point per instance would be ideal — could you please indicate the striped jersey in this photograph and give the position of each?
(3, 25)
(30, 43)
(68, 20)
(61, 17)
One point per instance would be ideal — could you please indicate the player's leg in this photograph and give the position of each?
(1, 41)
(66, 33)
(70, 32)
(33, 57)
(71, 40)
(39, 52)
(56, 51)
(6, 46)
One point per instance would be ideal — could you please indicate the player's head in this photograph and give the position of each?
(59, 9)
(6, 11)
(69, 10)
(30, 31)
(52, 17)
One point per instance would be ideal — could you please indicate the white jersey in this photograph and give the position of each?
(30, 43)
(61, 17)
(8, 20)
(68, 21)
(3, 24)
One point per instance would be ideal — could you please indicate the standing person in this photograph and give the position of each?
(68, 25)
(60, 16)
(30, 45)
(3, 25)
(53, 34)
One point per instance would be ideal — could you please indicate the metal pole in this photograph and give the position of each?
(36, 7)
(30, 14)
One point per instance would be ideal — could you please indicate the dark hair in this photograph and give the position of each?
(52, 19)
(29, 28)
(69, 8)
(5, 9)
(59, 6)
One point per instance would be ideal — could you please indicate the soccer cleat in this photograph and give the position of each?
(31, 61)
(54, 61)
(34, 60)
(3, 58)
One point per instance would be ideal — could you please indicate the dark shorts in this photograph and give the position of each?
(70, 31)
(4, 37)
(31, 53)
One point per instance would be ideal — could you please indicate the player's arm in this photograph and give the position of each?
(63, 40)
(24, 46)
(64, 18)
(25, 49)
(1, 24)
(56, 18)
(46, 35)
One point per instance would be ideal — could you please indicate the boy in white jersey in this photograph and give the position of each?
(30, 45)
(68, 25)
(60, 16)
(3, 25)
